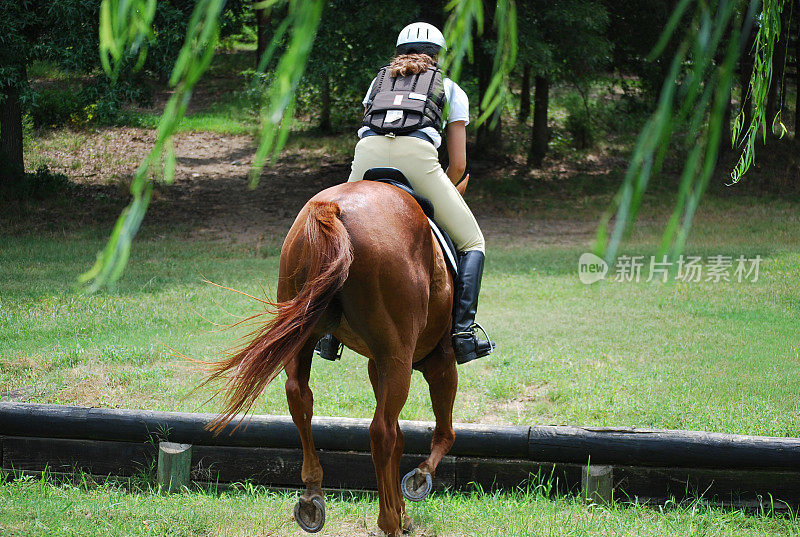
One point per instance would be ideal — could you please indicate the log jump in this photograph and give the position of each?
(650, 465)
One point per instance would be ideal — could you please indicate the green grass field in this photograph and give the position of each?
(712, 356)
(44, 507)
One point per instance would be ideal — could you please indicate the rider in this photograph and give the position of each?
(406, 107)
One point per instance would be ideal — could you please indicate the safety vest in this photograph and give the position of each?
(403, 104)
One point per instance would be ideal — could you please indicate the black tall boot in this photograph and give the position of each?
(329, 348)
(466, 344)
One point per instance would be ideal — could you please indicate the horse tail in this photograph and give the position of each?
(326, 257)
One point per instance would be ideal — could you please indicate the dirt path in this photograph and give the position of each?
(211, 199)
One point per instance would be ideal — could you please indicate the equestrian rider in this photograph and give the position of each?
(406, 108)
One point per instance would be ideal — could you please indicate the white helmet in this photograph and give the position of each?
(421, 32)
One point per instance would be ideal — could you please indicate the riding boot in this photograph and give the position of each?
(329, 348)
(466, 344)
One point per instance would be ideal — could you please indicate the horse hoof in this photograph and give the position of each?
(416, 485)
(310, 514)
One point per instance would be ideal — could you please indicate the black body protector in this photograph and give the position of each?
(403, 104)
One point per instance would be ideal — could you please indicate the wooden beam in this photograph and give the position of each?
(66, 455)
(354, 471)
(647, 447)
(59, 421)
(720, 486)
(568, 445)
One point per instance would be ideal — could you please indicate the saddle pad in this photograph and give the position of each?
(448, 248)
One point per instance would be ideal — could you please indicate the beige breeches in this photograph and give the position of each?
(419, 162)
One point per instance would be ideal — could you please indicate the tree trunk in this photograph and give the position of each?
(745, 99)
(525, 95)
(725, 140)
(325, 112)
(11, 162)
(539, 132)
(797, 78)
(488, 139)
(261, 34)
(778, 64)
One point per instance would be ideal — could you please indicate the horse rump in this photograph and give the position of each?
(324, 260)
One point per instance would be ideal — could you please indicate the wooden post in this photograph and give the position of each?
(597, 484)
(174, 466)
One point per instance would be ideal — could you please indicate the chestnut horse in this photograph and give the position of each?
(361, 262)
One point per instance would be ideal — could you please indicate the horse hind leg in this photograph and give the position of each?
(406, 523)
(440, 372)
(309, 512)
(390, 381)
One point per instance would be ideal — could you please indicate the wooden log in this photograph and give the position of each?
(281, 467)
(514, 474)
(174, 466)
(66, 455)
(343, 434)
(354, 470)
(775, 488)
(573, 445)
(645, 447)
(597, 484)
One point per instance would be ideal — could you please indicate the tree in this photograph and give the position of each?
(262, 25)
(349, 50)
(776, 86)
(699, 101)
(525, 93)
(634, 27)
(58, 31)
(65, 33)
(797, 74)
(563, 41)
(488, 138)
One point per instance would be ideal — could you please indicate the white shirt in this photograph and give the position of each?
(458, 109)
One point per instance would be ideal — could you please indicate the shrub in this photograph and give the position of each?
(579, 126)
(54, 107)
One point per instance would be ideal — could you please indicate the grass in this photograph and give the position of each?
(711, 356)
(52, 506)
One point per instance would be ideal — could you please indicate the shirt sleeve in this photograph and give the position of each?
(458, 101)
(365, 102)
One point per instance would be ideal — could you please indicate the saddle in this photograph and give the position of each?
(395, 177)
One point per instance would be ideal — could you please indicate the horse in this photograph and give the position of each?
(360, 261)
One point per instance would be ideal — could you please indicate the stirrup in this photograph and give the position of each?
(471, 332)
(327, 349)
(492, 344)
(475, 347)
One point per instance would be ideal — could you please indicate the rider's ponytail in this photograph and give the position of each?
(410, 64)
